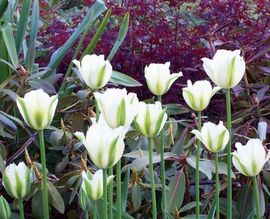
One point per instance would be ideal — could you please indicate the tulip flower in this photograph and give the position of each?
(226, 69)
(84, 201)
(16, 180)
(117, 107)
(214, 137)
(150, 119)
(159, 79)
(94, 70)
(92, 184)
(262, 130)
(105, 145)
(199, 94)
(249, 159)
(37, 108)
(5, 212)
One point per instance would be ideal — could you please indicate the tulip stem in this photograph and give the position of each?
(229, 161)
(163, 174)
(118, 185)
(152, 182)
(110, 194)
(217, 186)
(197, 169)
(86, 215)
(97, 110)
(256, 194)
(21, 209)
(104, 207)
(44, 176)
(95, 210)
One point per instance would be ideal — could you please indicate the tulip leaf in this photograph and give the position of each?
(121, 36)
(124, 80)
(56, 199)
(124, 189)
(2, 164)
(36, 205)
(136, 196)
(223, 208)
(3, 7)
(5, 74)
(188, 206)
(176, 192)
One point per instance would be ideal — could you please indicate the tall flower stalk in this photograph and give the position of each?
(217, 185)
(197, 177)
(256, 195)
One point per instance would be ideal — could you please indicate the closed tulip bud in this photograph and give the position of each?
(199, 94)
(226, 69)
(158, 78)
(262, 130)
(92, 185)
(214, 137)
(117, 107)
(84, 200)
(150, 119)
(94, 70)
(37, 108)
(105, 145)
(16, 180)
(249, 159)
(5, 212)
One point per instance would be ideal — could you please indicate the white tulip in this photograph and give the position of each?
(158, 78)
(37, 108)
(5, 212)
(105, 145)
(16, 180)
(150, 119)
(92, 185)
(199, 94)
(94, 70)
(117, 107)
(214, 137)
(226, 69)
(249, 159)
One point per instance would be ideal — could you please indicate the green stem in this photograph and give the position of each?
(217, 186)
(104, 207)
(21, 209)
(229, 161)
(44, 176)
(86, 215)
(163, 175)
(256, 194)
(118, 185)
(97, 110)
(197, 177)
(110, 195)
(95, 210)
(152, 182)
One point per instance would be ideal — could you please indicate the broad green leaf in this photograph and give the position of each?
(211, 214)
(36, 205)
(22, 25)
(136, 196)
(7, 33)
(5, 74)
(124, 189)
(56, 199)
(93, 13)
(121, 36)
(30, 56)
(188, 206)
(223, 208)
(176, 192)
(3, 7)
(123, 79)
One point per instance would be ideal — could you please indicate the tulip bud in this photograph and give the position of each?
(158, 78)
(105, 146)
(84, 201)
(94, 70)
(150, 119)
(226, 69)
(262, 130)
(92, 185)
(249, 159)
(5, 212)
(16, 180)
(198, 95)
(214, 137)
(117, 107)
(37, 108)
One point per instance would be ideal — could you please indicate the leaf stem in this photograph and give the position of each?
(217, 186)
(229, 161)
(256, 194)
(110, 194)
(104, 207)
(44, 176)
(197, 177)
(163, 173)
(152, 182)
(21, 209)
(118, 185)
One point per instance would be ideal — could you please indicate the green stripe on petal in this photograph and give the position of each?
(121, 113)
(112, 151)
(159, 121)
(21, 102)
(10, 188)
(101, 75)
(191, 98)
(220, 140)
(50, 111)
(231, 71)
(243, 168)
(147, 122)
(209, 141)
